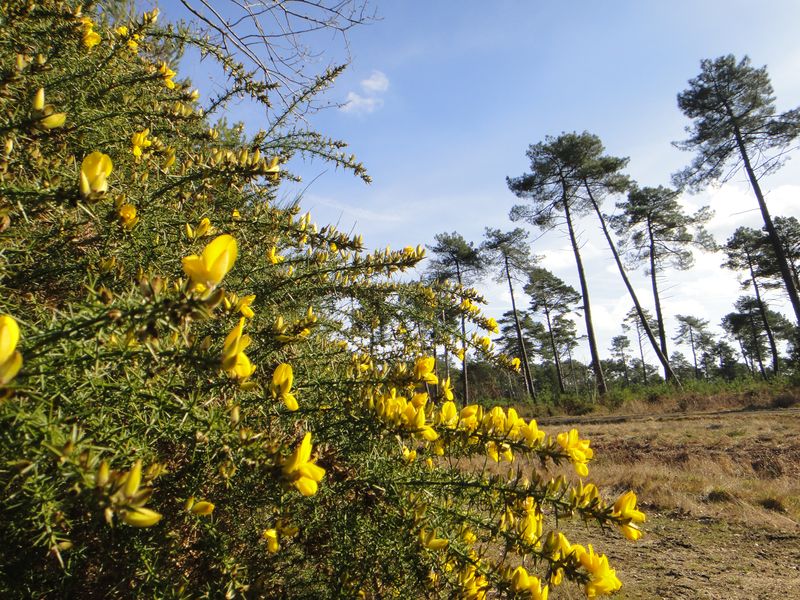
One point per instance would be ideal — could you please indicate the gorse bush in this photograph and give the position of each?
(206, 395)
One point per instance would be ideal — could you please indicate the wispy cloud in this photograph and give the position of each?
(356, 103)
(370, 99)
(376, 83)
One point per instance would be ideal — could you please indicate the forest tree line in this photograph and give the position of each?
(734, 127)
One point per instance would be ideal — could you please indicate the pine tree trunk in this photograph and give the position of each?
(526, 368)
(662, 333)
(600, 380)
(572, 374)
(757, 346)
(556, 359)
(763, 312)
(747, 362)
(694, 354)
(463, 343)
(641, 352)
(662, 358)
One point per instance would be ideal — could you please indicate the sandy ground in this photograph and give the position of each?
(722, 494)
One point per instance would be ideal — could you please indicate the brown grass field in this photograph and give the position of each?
(721, 489)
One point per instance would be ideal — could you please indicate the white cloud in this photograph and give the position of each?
(358, 104)
(376, 83)
(370, 100)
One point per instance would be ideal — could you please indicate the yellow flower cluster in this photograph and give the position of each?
(578, 450)
(166, 75)
(90, 37)
(397, 411)
(602, 578)
(127, 497)
(242, 305)
(522, 583)
(424, 370)
(140, 141)
(202, 229)
(132, 41)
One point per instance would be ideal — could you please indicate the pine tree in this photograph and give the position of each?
(454, 257)
(735, 126)
(745, 253)
(554, 188)
(553, 298)
(510, 251)
(660, 234)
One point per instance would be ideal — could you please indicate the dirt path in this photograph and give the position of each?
(725, 547)
(683, 557)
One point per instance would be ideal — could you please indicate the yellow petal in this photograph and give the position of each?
(53, 121)
(9, 337)
(202, 508)
(134, 479)
(38, 100)
(290, 402)
(10, 368)
(219, 256)
(306, 486)
(312, 471)
(271, 535)
(282, 379)
(141, 517)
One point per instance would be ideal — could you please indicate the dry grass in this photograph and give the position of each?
(722, 491)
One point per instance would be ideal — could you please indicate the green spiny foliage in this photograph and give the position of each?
(206, 395)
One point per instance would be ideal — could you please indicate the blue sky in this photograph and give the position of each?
(445, 97)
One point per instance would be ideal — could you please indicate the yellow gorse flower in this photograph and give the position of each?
(521, 582)
(45, 115)
(132, 41)
(139, 141)
(202, 508)
(234, 361)
(625, 508)
(127, 216)
(217, 258)
(132, 498)
(602, 578)
(273, 257)
(271, 535)
(446, 390)
(492, 326)
(578, 450)
(167, 74)
(90, 37)
(244, 305)
(423, 370)
(203, 228)
(95, 169)
(301, 470)
(10, 358)
(429, 540)
(281, 387)
(170, 158)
